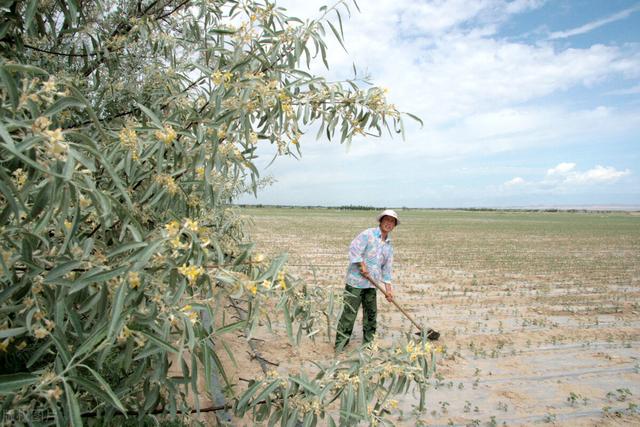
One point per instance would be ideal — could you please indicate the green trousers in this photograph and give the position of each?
(353, 297)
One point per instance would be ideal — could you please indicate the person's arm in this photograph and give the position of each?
(387, 271)
(388, 288)
(356, 252)
(362, 266)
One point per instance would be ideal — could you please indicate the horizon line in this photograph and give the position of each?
(590, 207)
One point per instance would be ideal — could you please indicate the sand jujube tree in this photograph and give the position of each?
(127, 129)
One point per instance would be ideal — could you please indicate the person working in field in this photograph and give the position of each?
(370, 260)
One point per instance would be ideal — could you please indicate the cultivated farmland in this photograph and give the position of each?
(539, 311)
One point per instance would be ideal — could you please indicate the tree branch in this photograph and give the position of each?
(173, 11)
(51, 52)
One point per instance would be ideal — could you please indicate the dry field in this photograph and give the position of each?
(539, 312)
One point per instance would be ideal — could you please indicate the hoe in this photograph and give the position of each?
(430, 334)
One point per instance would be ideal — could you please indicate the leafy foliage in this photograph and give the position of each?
(127, 129)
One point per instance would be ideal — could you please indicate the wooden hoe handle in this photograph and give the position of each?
(393, 301)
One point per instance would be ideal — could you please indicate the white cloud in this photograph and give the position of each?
(594, 24)
(564, 178)
(517, 181)
(597, 175)
(561, 169)
(479, 94)
(447, 63)
(411, 18)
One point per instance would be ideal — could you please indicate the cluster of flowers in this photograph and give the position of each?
(127, 333)
(169, 183)
(167, 135)
(40, 326)
(252, 287)
(129, 139)
(191, 272)
(189, 228)
(415, 349)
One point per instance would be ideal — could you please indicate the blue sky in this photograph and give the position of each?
(525, 103)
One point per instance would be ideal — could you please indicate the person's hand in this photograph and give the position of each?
(363, 270)
(388, 292)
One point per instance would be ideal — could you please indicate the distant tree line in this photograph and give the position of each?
(472, 209)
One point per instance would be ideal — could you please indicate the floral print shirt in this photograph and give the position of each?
(369, 247)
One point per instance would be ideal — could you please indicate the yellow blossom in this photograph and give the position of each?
(140, 340)
(134, 279)
(40, 124)
(170, 185)
(173, 320)
(192, 316)
(168, 135)
(252, 288)
(193, 201)
(124, 335)
(48, 377)
(50, 85)
(54, 135)
(22, 345)
(410, 347)
(200, 172)
(67, 225)
(128, 137)
(20, 177)
(191, 272)
(287, 108)
(84, 202)
(57, 144)
(176, 243)
(266, 284)
(168, 182)
(216, 77)
(55, 393)
(172, 228)
(4, 345)
(221, 78)
(192, 225)
(40, 333)
(281, 280)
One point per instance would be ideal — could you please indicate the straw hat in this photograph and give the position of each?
(391, 213)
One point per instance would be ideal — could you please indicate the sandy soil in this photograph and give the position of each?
(520, 348)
